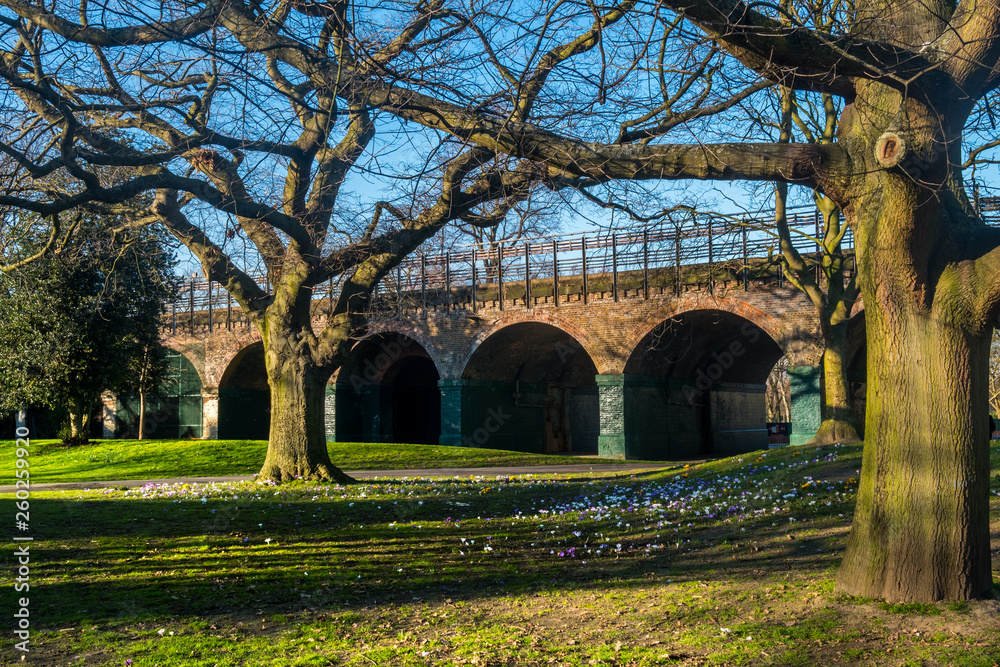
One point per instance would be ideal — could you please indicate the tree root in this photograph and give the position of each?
(835, 430)
(318, 473)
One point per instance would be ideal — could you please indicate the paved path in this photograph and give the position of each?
(502, 471)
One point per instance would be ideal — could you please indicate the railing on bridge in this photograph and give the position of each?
(706, 252)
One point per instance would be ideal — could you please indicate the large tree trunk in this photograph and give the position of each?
(838, 419)
(296, 447)
(921, 525)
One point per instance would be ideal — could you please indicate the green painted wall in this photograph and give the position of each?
(363, 413)
(653, 418)
(634, 417)
(451, 412)
(493, 418)
(737, 417)
(688, 418)
(807, 403)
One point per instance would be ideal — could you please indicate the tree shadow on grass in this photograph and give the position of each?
(125, 560)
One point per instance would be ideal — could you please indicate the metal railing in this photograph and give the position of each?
(702, 252)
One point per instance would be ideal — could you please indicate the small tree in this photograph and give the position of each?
(146, 374)
(78, 322)
(824, 276)
(777, 393)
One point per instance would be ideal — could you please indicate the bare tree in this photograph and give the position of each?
(778, 393)
(995, 374)
(265, 135)
(824, 277)
(911, 76)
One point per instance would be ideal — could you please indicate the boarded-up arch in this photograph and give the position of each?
(531, 386)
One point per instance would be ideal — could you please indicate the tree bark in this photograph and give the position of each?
(142, 415)
(79, 420)
(921, 525)
(296, 447)
(838, 418)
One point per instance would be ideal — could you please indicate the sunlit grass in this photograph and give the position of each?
(726, 563)
(156, 459)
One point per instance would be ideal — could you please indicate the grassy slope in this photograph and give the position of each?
(726, 563)
(153, 459)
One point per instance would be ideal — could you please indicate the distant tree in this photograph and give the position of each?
(82, 321)
(824, 276)
(777, 393)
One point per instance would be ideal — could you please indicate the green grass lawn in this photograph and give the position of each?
(726, 563)
(157, 459)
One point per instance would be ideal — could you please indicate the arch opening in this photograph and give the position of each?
(416, 401)
(387, 391)
(245, 397)
(531, 387)
(699, 383)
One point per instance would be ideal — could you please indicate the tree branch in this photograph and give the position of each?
(149, 33)
(215, 263)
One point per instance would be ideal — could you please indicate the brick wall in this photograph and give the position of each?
(609, 331)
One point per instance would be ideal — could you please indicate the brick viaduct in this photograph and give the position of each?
(640, 373)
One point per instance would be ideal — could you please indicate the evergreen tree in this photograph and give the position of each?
(83, 320)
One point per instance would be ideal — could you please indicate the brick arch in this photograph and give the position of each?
(767, 323)
(564, 324)
(219, 368)
(419, 336)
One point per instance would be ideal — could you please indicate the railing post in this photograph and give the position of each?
(711, 259)
(645, 264)
(527, 275)
(500, 273)
(447, 277)
(746, 268)
(677, 261)
(555, 271)
(423, 281)
(586, 291)
(475, 306)
(614, 265)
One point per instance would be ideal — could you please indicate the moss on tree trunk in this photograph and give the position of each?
(79, 420)
(296, 447)
(921, 525)
(838, 419)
